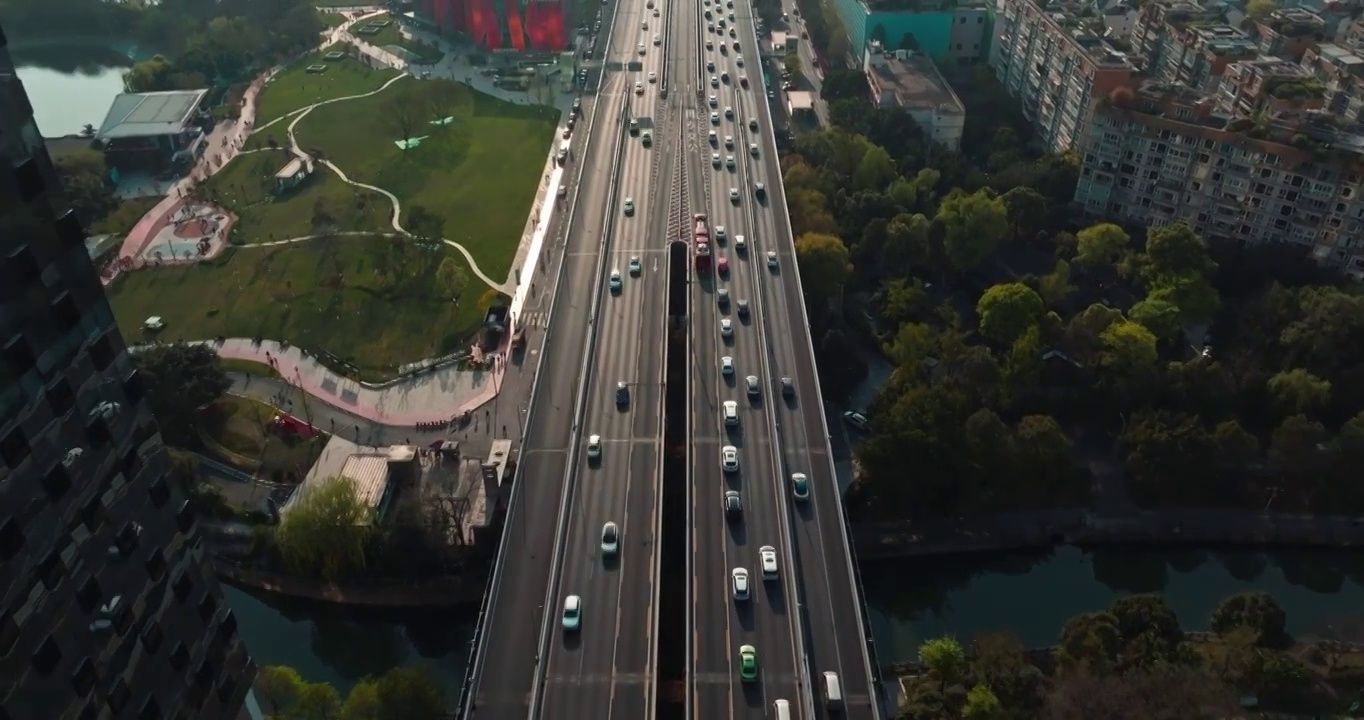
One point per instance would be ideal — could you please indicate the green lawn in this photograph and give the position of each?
(373, 302)
(392, 35)
(246, 187)
(479, 174)
(296, 88)
(242, 426)
(332, 19)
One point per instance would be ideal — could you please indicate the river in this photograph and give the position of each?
(71, 83)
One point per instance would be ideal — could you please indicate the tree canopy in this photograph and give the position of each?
(406, 692)
(181, 379)
(325, 532)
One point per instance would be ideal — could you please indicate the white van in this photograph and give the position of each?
(782, 709)
(833, 693)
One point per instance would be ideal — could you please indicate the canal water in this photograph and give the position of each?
(71, 83)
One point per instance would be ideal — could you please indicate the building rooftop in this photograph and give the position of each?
(149, 114)
(1069, 19)
(1223, 40)
(800, 100)
(911, 79)
(367, 467)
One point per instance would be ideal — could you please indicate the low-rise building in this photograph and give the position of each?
(911, 82)
(1163, 154)
(949, 31)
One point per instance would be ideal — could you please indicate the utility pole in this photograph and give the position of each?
(303, 394)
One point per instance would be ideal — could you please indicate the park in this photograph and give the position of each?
(369, 216)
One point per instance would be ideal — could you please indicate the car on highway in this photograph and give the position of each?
(734, 195)
(740, 243)
(722, 265)
(710, 66)
(573, 613)
(729, 113)
(800, 486)
(615, 282)
(710, 45)
(772, 259)
(729, 459)
(748, 663)
(655, 12)
(653, 77)
(641, 49)
(738, 581)
(724, 49)
(733, 505)
(713, 138)
(753, 125)
(644, 25)
(714, 101)
(788, 387)
(734, 34)
(742, 306)
(759, 190)
(715, 160)
(730, 16)
(647, 139)
(710, 28)
(639, 88)
(726, 365)
(629, 206)
(754, 388)
(721, 234)
(767, 556)
(622, 393)
(729, 142)
(593, 447)
(635, 266)
(722, 298)
(658, 39)
(715, 118)
(731, 413)
(743, 81)
(739, 60)
(753, 150)
(610, 539)
(724, 78)
(714, 81)
(736, 46)
(856, 419)
(726, 328)
(729, 161)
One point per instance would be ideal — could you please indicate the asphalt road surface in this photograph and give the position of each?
(833, 631)
(767, 620)
(605, 668)
(509, 649)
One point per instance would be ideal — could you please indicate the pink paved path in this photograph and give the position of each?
(395, 404)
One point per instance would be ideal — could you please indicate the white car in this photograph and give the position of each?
(714, 102)
(714, 140)
(715, 159)
(714, 81)
(739, 60)
(615, 283)
(629, 206)
(721, 234)
(715, 118)
(772, 259)
(767, 555)
(573, 612)
(641, 49)
(726, 328)
(753, 149)
(800, 486)
(593, 447)
(653, 77)
(739, 582)
(753, 387)
(731, 413)
(729, 142)
(729, 459)
(610, 539)
(658, 39)
(733, 192)
(856, 419)
(639, 88)
(740, 243)
(726, 365)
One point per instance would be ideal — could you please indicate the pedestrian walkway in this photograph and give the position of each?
(432, 397)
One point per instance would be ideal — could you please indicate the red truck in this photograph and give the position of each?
(701, 242)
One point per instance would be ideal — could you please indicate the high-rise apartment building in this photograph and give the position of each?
(1050, 59)
(109, 610)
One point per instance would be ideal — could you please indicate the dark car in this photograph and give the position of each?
(788, 388)
(622, 394)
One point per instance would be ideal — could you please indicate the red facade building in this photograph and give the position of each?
(502, 24)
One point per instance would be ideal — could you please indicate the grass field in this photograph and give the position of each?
(374, 302)
(479, 174)
(242, 425)
(296, 88)
(246, 187)
(392, 35)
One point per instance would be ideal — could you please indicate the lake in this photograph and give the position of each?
(70, 84)
(1033, 594)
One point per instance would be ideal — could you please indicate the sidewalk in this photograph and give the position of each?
(435, 396)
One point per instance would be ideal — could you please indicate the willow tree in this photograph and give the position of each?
(324, 533)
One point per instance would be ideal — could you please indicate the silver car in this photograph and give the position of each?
(754, 388)
(729, 458)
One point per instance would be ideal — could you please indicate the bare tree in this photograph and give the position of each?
(405, 114)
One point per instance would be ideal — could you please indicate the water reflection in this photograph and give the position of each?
(1033, 594)
(326, 643)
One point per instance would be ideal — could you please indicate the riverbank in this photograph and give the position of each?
(1048, 528)
(445, 591)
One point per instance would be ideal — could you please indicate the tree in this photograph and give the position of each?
(325, 531)
(945, 659)
(1023, 367)
(792, 64)
(1146, 621)
(1257, 611)
(363, 702)
(1195, 297)
(83, 174)
(150, 75)
(1000, 662)
(452, 276)
(1260, 9)
(322, 216)
(1103, 244)
(411, 692)
(180, 380)
(1007, 311)
(1043, 452)
(1089, 641)
(1055, 287)
(1177, 250)
(1027, 210)
(424, 224)
(1299, 391)
(981, 704)
(824, 266)
(875, 171)
(907, 244)
(972, 225)
(1187, 693)
(1128, 348)
(404, 114)
(1161, 317)
(900, 301)
(279, 687)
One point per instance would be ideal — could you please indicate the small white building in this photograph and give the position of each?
(910, 81)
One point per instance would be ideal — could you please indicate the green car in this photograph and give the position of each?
(748, 663)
